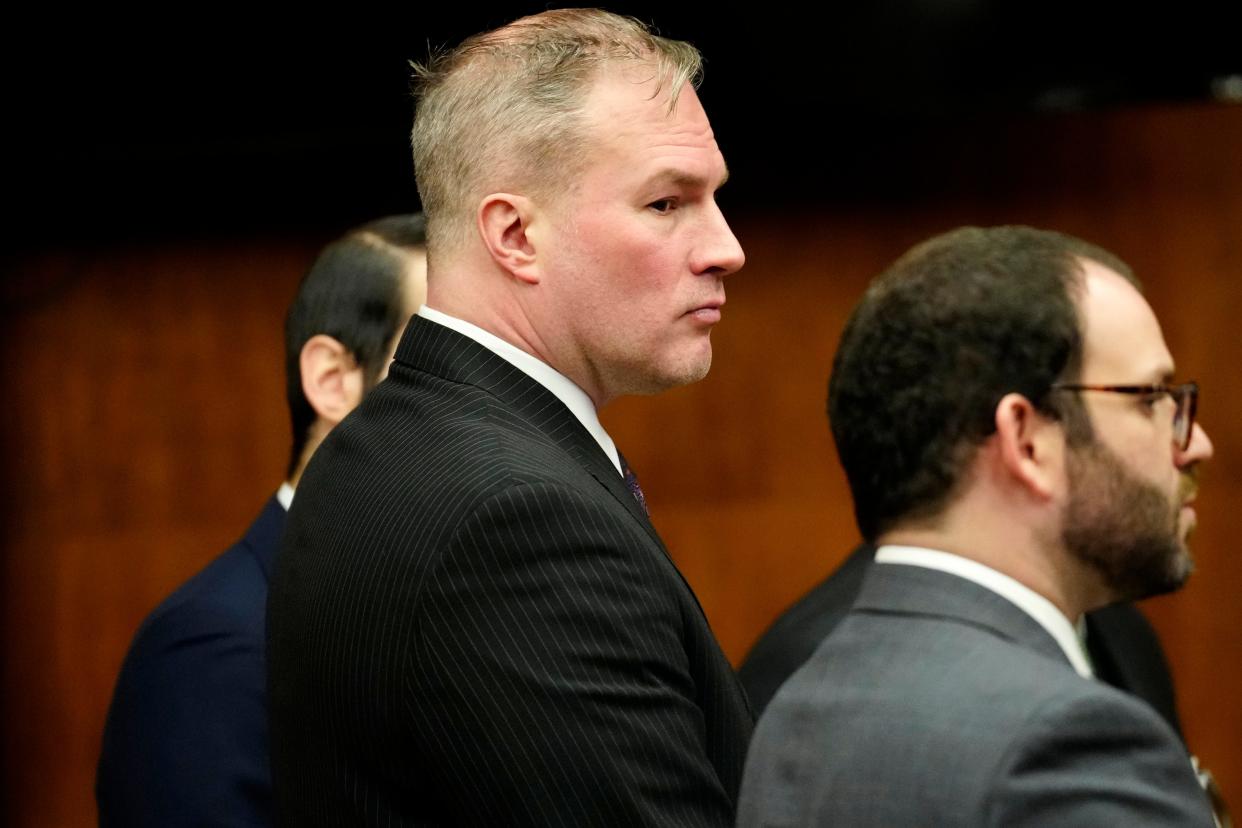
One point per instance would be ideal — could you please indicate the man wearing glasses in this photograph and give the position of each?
(1003, 405)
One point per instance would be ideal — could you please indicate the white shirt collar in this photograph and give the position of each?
(1032, 603)
(285, 495)
(574, 398)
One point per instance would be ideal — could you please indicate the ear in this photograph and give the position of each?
(331, 378)
(505, 223)
(1031, 446)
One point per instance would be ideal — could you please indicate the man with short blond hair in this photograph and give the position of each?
(473, 620)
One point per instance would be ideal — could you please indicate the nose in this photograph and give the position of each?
(719, 253)
(1200, 448)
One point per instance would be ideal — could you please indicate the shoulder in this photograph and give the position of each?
(887, 683)
(1092, 755)
(897, 675)
(422, 437)
(219, 610)
(1020, 731)
(188, 711)
(571, 534)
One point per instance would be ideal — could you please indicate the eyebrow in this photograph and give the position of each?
(681, 179)
(1162, 376)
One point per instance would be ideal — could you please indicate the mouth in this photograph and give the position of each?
(708, 312)
(1187, 515)
(1189, 495)
(1188, 489)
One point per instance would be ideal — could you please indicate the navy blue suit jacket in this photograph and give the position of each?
(185, 742)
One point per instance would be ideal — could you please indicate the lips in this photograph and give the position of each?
(708, 311)
(1188, 490)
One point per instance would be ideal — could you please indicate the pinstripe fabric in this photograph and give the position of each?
(473, 622)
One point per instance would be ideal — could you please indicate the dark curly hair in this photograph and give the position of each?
(938, 339)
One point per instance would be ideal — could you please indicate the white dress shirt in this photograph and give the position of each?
(285, 495)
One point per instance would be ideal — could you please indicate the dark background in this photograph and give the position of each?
(227, 120)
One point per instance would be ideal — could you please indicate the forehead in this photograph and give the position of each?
(631, 123)
(1122, 339)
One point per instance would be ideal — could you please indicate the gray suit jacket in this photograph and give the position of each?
(1122, 644)
(938, 702)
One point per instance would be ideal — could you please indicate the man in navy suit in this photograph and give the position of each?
(185, 741)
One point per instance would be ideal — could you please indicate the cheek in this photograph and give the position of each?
(607, 257)
(1148, 454)
(632, 262)
(1164, 477)
(635, 235)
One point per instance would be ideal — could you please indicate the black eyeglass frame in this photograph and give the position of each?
(1185, 396)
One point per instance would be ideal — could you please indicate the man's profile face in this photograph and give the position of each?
(1128, 512)
(635, 253)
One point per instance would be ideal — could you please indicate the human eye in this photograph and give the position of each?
(1149, 397)
(663, 206)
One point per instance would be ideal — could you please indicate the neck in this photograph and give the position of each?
(508, 311)
(1004, 544)
(318, 430)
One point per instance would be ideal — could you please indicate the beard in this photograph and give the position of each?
(1124, 528)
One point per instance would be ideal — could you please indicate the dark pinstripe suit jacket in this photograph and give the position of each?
(473, 622)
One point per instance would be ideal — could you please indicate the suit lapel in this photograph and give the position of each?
(602, 469)
(452, 356)
(917, 590)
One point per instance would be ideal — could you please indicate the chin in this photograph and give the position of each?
(673, 371)
(694, 370)
(1185, 561)
(1176, 572)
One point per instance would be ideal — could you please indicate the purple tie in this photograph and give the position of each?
(631, 483)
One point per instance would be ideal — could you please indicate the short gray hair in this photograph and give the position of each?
(503, 111)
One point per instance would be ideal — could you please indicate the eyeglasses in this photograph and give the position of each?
(1186, 396)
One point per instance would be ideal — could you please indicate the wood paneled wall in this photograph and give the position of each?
(146, 422)
(146, 430)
